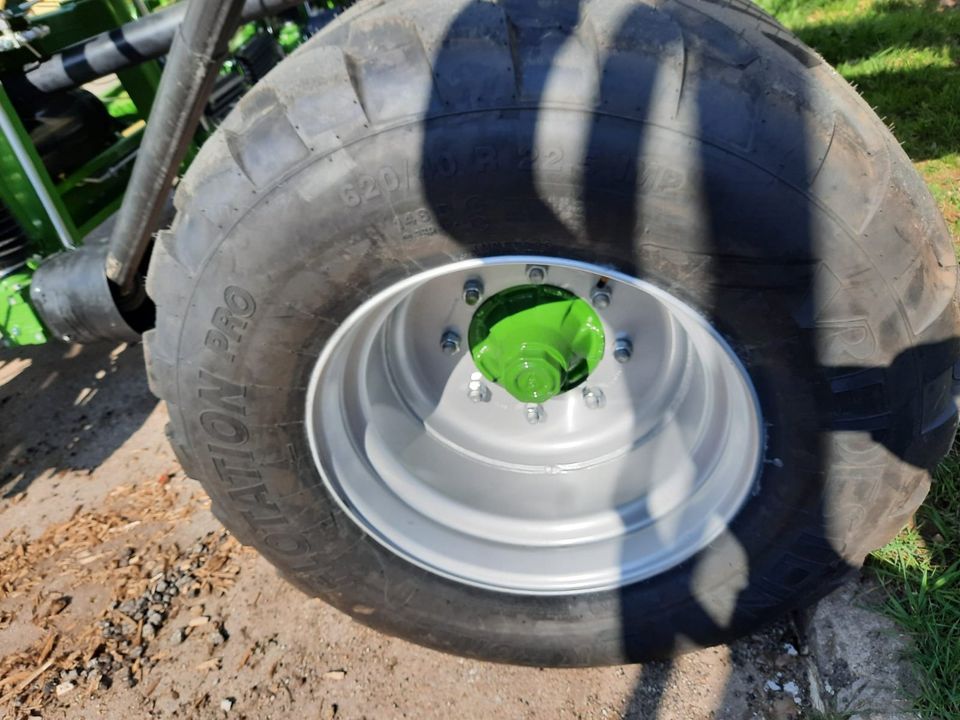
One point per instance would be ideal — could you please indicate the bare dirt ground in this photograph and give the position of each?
(122, 597)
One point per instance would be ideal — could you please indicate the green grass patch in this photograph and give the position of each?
(920, 569)
(943, 177)
(904, 58)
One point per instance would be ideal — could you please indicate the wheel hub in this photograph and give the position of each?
(536, 341)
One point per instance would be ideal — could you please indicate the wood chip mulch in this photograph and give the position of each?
(148, 581)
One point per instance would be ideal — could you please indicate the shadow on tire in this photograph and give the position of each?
(696, 176)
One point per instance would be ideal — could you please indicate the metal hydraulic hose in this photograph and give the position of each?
(135, 42)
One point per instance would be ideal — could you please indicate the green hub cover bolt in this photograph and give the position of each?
(536, 341)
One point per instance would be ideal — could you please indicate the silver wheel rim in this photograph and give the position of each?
(579, 498)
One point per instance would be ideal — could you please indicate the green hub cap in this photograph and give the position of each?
(536, 341)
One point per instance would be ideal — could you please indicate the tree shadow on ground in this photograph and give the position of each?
(67, 408)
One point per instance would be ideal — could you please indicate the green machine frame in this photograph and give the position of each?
(57, 213)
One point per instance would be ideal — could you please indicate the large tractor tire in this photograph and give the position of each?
(557, 333)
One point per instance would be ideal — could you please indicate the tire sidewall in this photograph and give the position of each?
(280, 280)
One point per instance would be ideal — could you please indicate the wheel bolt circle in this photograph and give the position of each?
(594, 398)
(535, 414)
(536, 274)
(450, 343)
(600, 298)
(478, 391)
(622, 350)
(472, 291)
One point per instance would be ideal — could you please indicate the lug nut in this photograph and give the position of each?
(600, 298)
(477, 390)
(472, 291)
(450, 343)
(594, 398)
(622, 350)
(535, 414)
(536, 274)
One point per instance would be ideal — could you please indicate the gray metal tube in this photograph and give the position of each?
(30, 170)
(191, 69)
(135, 42)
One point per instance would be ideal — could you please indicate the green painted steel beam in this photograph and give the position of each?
(19, 323)
(27, 189)
(56, 215)
(92, 171)
(94, 191)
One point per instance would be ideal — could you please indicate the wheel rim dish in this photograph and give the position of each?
(589, 498)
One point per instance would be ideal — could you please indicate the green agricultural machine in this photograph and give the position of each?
(553, 332)
(67, 150)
